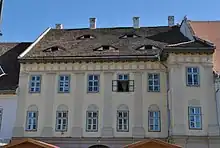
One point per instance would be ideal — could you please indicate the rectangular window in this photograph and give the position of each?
(195, 118)
(32, 119)
(93, 83)
(192, 76)
(122, 121)
(64, 83)
(153, 82)
(35, 84)
(154, 121)
(61, 121)
(123, 84)
(92, 121)
(1, 116)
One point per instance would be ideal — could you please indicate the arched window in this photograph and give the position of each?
(154, 120)
(123, 118)
(32, 118)
(62, 118)
(92, 115)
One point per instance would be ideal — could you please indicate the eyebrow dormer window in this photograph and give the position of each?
(54, 49)
(87, 36)
(129, 36)
(146, 47)
(105, 47)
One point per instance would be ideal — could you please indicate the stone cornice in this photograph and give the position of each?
(82, 67)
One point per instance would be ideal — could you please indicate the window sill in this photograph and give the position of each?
(195, 129)
(30, 130)
(193, 85)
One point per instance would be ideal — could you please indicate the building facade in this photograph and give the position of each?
(9, 75)
(112, 86)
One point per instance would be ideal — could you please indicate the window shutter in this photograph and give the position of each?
(131, 85)
(114, 85)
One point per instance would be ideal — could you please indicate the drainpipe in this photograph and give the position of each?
(167, 96)
(217, 102)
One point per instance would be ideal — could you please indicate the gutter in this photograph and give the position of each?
(217, 104)
(167, 97)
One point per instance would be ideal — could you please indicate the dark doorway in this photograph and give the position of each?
(98, 146)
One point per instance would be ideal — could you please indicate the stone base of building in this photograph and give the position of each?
(184, 141)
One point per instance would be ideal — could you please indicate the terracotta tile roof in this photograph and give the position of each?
(9, 63)
(209, 30)
(145, 143)
(29, 140)
(71, 46)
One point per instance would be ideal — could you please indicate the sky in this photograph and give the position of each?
(25, 20)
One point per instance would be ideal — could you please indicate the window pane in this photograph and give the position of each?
(150, 76)
(120, 77)
(90, 77)
(89, 127)
(125, 77)
(195, 70)
(95, 77)
(94, 127)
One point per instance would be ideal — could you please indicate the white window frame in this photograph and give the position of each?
(35, 82)
(61, 127)
(94, 121)
(196, 117)
(192, 74)
(32, 121)
(93, 88)
(153, 79)
(1, 117)
(124, 126)
(156, 123)
(65, 84)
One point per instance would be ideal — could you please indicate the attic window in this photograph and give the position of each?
(87, 36)
(129, 36)
(146, 47)
(2, 73)
(104, 48)
(54, 49)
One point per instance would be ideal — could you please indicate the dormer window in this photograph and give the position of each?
(2, 73)
(146, 47)
(129, 36)
(87, 36)
(105, 47)
(54, 49)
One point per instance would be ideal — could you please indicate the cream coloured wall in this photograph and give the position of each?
(78, 99)
(8, 103)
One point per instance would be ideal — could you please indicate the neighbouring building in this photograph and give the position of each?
(109, 87)
(210, 30)
(9, 75)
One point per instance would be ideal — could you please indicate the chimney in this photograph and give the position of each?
(170, 21)
(136, 22)
(92, 23)
(59, 26)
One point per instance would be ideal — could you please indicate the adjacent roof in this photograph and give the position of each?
(149, 143)
(32, 141)
(9, 63)
(209, 30)
(74, 47)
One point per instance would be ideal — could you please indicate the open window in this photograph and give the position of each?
(2, 73)
(86, 36)
(123, 84)
(54, 49)
(129, 35)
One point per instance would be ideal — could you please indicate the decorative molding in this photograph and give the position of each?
(90, 67)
